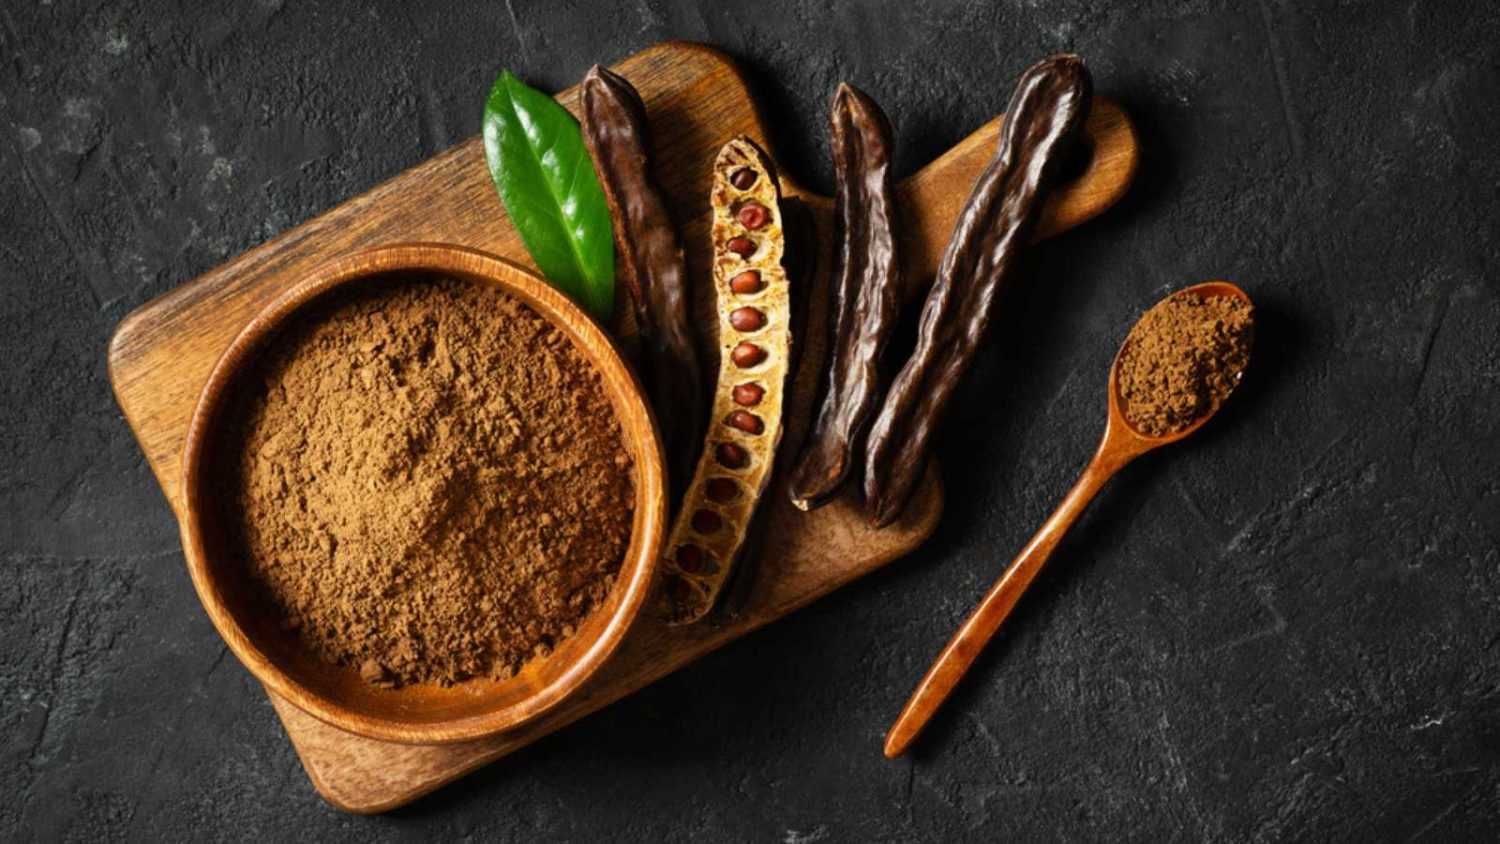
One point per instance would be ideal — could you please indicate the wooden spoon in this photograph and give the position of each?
(1120, 445)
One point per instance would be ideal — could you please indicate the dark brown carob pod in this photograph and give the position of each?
(866, 296)
(652, 265)
(1046, 112)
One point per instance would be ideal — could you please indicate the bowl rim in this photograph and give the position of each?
(638, 569)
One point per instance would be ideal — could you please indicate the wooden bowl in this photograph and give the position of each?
(422, 714)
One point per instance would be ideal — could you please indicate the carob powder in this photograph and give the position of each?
(1182, 359)
(430, 484)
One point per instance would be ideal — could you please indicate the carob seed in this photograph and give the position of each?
(748, 394)
(746, 282)
(743, 178)
(741, 246)
(753, 215)
(731, 456)
(747, 319)
(747, 354)
(745, 421)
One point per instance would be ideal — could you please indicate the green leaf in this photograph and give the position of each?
(545, 178)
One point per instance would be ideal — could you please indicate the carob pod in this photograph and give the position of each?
(708, 535)
(1046, 111)
(652, 265)
(800, 229)
(867, 296)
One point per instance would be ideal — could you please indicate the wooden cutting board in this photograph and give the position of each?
(162, 353)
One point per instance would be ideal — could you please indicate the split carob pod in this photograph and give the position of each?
(867, 295)
(1046, 112)
(755, 344)
(652, 266)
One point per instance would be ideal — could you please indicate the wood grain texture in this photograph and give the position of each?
(162, 354)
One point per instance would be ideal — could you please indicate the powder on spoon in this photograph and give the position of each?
(431, 483)
(1182, 360)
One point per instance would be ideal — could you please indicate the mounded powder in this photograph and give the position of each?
(1182, 360)
(430, 482)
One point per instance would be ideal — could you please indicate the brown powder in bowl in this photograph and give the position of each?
(430, 483)
(1182, 360)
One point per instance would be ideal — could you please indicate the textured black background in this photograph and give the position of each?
(1288, 628)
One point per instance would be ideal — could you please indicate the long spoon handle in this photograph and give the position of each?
(981, 625)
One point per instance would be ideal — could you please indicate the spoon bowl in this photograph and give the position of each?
(1120, 444)
(1118, 427)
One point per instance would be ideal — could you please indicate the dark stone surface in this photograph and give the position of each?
(1286, 629)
